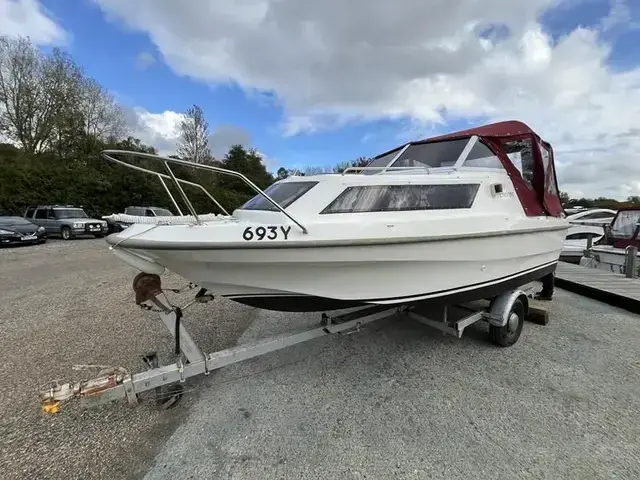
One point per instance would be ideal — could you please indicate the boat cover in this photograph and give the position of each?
(540, 196)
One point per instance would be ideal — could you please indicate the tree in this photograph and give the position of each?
(101, 116)
(282, 173)
(194, 136)
(42, 98)
(358, 162)
(66, 79)
(25, 82)
(564, 198)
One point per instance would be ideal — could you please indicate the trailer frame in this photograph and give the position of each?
(505, 315)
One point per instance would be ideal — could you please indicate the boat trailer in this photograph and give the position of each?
(505, 315)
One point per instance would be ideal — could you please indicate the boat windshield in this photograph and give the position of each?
(626, 223)
(381, 162)
(445, 154)
(283, 193)
(442, 154)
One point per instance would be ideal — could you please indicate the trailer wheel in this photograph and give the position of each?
(509, 334)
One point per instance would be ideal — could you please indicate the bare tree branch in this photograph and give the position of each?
(194, 136)
(47, 102)
(21, 93)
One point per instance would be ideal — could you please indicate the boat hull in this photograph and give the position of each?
(466, 293)
(324, 278)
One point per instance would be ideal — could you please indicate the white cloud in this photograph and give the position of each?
(29, 18)
(157, 129)
(330, 63)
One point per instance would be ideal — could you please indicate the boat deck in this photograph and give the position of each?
(614, 289)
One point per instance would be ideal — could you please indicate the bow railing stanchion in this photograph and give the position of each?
(175, 204)
(108, 155)
(182, 194)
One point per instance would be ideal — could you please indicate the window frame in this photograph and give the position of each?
(327, 210)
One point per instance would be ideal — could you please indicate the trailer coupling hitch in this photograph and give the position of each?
(54, 393)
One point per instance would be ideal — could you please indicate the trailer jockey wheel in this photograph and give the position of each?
(170, 396)
(508, 334)
(166, 397)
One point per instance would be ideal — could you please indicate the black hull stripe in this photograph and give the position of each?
(438, 293)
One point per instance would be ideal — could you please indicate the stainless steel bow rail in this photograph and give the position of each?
(109, 155)
(505, 315)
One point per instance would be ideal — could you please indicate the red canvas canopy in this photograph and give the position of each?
(536, 185)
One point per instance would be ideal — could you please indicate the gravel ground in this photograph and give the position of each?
(399, 400)
(66, 303)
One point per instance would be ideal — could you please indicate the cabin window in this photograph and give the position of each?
(481, 156)
(521, 154)
(283, 193)
(550, 179)
(432, 155)
(393, 198)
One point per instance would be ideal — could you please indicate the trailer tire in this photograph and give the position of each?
(509, 334)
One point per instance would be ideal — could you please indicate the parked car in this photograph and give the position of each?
(19, 231)
(118, 226)
(67, 221)
(148, 211)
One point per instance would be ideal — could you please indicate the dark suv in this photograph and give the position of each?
(65, 220)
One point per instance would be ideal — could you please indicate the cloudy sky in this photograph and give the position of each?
(316, 83)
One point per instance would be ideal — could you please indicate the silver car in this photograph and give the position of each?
(66, 221)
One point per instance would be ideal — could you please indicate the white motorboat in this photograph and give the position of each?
(577, 241)
(459, 217)
(467, 216)
(597, 217)
(613, 251)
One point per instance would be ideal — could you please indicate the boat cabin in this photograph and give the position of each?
(509, 145)
(624, 229)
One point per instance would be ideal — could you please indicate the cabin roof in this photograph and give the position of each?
(509, 128)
